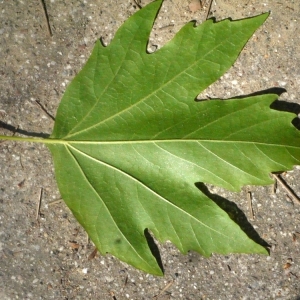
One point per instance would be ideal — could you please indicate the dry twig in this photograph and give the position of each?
(163, 290)
(138, 4)
(55, 202)
(44, 110)
(42, 2)
(209, 9)
(289, 191)
(39, 205)
(249, 197)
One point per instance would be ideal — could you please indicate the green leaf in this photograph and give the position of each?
(130, 141)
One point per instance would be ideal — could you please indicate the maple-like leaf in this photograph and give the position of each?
(134, 141)
(130, 141)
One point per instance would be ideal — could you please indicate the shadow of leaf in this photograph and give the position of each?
(21, 131)
(235, 213)
(154, 249)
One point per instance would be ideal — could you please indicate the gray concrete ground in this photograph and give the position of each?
(48, 258)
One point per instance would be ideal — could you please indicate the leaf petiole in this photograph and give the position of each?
(31, 139)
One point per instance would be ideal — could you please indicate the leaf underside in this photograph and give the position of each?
(133, 142)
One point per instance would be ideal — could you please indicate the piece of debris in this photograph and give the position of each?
(195, 5)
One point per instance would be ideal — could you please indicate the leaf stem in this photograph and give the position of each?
(31, 140)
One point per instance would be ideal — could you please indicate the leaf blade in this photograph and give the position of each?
(120, 103)
(200, 217)
(72, 110)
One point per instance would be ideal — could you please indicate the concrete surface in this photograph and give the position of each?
(48, 258)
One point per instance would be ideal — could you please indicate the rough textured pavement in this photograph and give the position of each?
(48, 258)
